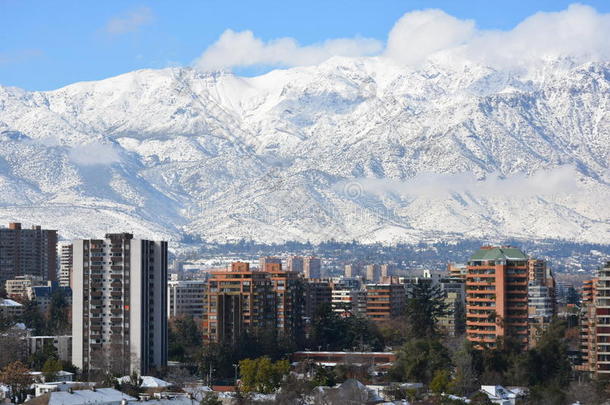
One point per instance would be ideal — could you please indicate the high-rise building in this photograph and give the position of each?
(237, 300)
(454, 289)
(458, 270)
(384, 301)
(263, 261)
(497, 296)
(599, 324)
(119, 308)
(186, 298)
(295, 263)
(349, 302)
(588, 337)
(312, 267)
(65, 264)
(287, 287)
(27, 252)
(317, 294)
(387, 270)
(351, 270)
(372, 273)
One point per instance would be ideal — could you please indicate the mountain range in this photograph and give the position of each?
(353, 148)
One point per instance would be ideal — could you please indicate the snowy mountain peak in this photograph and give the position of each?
(353, 148)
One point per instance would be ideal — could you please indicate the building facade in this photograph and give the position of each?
(384, 301)
(65, 265)
(186, 298)
(27, 252)
(312, 267)
(119, 304)
(497, 296)
(18, 287)
(295, 264)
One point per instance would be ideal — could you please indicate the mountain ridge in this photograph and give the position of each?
(354, 148)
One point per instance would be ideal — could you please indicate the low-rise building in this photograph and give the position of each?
(43, 295)
(10, 309)
(61, 344)
(17, 288)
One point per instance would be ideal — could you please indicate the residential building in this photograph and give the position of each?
(348, 302)
(457, 270)
(10, 309)
(263, 261)
(384, 301)
(43, 294)
(598, 324)
(317, 295)
(351, 270)
(387, 270)
(288, 305)
(588, 336)
(119, 304)
(312, 267)
(27, 252)
(541, 299)
(62, 345)
(295, 264)
(18, 287)
(186, 298)
(372, 273)
(65, 264)
(497, 296)
(237, 300)
(453, 323)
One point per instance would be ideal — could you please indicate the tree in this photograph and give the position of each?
(184, 338)
(210, 398)
(419, 359)
(262, 375)
(57, 317)
(480, 399)
(50, 369)
(17, 377)
(466, 376)
(440, 381)
(425, 305)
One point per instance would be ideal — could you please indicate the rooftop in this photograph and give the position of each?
(498, 253)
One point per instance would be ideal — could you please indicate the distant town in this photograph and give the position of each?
(113, 319)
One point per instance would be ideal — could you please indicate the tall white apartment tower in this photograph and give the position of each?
(65, 265)
(119, 308)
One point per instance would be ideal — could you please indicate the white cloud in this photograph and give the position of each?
(560, 180)
(579, 32)
(235, 49)
(94, 153)
(129, 22)
(419, 34)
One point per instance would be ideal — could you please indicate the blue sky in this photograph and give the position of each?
(48, 44)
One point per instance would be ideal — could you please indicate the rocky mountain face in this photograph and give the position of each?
(349, 149)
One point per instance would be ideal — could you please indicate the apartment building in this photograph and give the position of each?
(18, 287)
(312, 267)
(119, 304)
(62, 345)
(27, 252)
(599, 357)
(295, 264)
(318, 293)
(372, 273)
(43, 294)
(497, 296)
(10, 309)
(263, 261)
(454, 290)
(349, 302)
(65, 264)
(237, 300)
(588, 337)
(384, 301)
(186, 298)
(351, 270)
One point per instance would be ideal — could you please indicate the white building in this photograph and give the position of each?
(119, 308)
(65, 264)
(10, 308)
(62, 345)
(186, 297)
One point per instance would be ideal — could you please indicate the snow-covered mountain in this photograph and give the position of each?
(354, 148)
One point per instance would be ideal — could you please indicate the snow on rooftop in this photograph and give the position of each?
(5, 302)
(80, 397)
